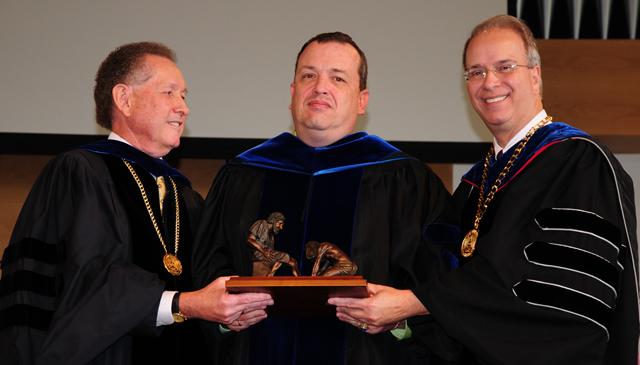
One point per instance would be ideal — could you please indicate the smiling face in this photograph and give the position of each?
(325, 95)
(506, 102)
(154, 110)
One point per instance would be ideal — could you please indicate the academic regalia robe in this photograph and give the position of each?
(83, 273)
(361, 194)
(553, 279)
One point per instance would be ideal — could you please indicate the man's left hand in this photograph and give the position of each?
(379, 312)
(247, 319)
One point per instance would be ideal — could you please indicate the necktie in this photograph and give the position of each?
(499, 155)
(162, 190)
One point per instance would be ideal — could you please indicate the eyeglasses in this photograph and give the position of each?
(502, 70)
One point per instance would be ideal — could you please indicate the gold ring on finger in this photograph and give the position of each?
(363, 326)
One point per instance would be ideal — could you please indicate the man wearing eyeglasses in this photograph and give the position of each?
(546, 269)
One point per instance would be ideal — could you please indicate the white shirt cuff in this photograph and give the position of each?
(165, 316)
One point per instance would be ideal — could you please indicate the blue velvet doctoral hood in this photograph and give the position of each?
(155, 166)
(317, 190)
(288, 153)
(542, 139)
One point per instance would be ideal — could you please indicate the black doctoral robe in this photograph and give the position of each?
(359, 193)
(82, 276)
(553, 279)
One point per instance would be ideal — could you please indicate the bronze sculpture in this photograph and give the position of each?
(330, 260)
(266, 259)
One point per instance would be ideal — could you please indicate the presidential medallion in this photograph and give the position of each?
(172, 264)
(170, 260)
(469, 243)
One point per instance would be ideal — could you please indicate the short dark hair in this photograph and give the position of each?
(342, 38)
(120, 66)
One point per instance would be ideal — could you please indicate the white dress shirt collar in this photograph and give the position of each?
(113, 135)
(520, 135)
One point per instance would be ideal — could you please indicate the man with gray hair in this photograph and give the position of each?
(546, 267)
(98, 269)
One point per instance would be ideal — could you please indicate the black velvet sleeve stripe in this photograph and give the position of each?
(574, 259)
(25, 315)
(31, 248)
(30, 265)
(28, 281)
(564, 299)
(578, 220)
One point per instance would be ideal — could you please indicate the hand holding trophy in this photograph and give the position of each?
(331, 276)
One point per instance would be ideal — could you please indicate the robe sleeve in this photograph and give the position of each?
(403, 197)
(68, 281)
(553, 278)
(234, 193)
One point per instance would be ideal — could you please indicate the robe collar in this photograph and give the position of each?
(288, 153)
(543, 138)
(520, 135)
(154, 166)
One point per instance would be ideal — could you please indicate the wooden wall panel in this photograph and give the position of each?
(595, 85)
(19, 172)
(445, 173)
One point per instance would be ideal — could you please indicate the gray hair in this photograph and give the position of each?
(514, 24)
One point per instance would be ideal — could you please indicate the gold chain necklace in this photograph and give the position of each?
(469, 242)
(170, 261)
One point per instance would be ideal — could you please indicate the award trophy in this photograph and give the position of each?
(332, 274)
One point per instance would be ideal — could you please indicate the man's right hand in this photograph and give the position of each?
(214, 303)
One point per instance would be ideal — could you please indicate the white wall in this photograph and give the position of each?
(238, 59)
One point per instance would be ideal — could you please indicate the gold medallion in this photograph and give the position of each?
(170, 260)
(172, 264)
(469, 243)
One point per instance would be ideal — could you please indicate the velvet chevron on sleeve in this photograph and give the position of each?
(82, 275)
(553, 279)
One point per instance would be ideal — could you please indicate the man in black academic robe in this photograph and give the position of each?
(563, 290)
(353, 190)
(546, 266)
(93, 266)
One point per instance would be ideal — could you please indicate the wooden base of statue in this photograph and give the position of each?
(301, 296)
